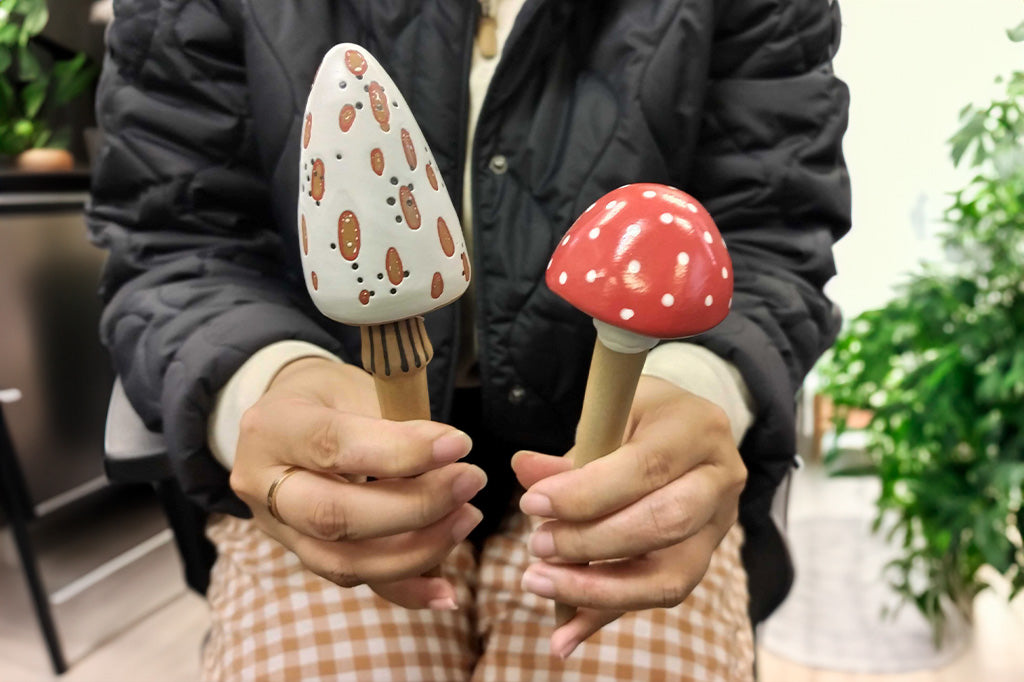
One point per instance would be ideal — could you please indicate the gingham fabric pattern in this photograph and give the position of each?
(274, 621)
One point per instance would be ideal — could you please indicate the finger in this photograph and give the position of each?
(652, 460)
(382, 560)
(585, 623)
(327, 507)
(320, 438)
(419, 593)
(658, 580)
(531, 467)
(664, 518)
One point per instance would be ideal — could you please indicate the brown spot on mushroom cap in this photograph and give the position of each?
(313, 278)
(436, 285)
(348, 235)
(409, 208)
(379, 106)
(346, 117)
(307, 131)
(318, 182)
(364, 297)
(377, 160)
(445, 236)
(465, 266)
(409, 148)
(305, 237)
(355, 62)
(431, 177)
(393, 266)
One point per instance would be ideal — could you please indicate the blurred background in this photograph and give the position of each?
(94, 583)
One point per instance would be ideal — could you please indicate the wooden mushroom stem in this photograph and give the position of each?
(611, 385)
(397, 354)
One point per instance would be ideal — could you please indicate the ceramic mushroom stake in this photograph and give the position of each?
(381, 242)
(647, 262)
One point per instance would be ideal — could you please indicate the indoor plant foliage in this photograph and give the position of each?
(32, 83)
(942, 369)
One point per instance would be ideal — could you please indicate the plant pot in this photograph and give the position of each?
(44, 160)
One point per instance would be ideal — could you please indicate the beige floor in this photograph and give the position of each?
(142, 626)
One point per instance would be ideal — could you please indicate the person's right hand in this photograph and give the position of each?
(322, 417)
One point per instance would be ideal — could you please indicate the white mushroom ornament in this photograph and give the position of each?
(381, 243)
(647, 262)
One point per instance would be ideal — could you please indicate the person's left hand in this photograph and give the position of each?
(651, 512)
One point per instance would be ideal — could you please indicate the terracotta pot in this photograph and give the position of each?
(42, 160)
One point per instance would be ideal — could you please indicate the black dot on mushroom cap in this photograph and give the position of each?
(366, 88)
(398, 218)
(359, 280)
(355, 266)
(359, 77)
(337, 156)
(373, 293)
(394, 181)
(380, 275)
(318, 203)
(394, 291)
(342, 85)
(333, 245)
(405, 274)
(359, 105)
(391, 201)
(410, 187)
(394, 103)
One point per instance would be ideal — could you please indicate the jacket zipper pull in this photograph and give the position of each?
(487, 31)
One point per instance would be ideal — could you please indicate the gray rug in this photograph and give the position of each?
(833, 618)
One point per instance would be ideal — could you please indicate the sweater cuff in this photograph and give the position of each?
(697, 370)
(245, 387)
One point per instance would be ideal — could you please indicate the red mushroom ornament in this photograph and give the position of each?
(647, 262)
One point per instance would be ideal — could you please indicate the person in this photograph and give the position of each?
(325, 517)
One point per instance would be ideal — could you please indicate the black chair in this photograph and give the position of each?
(134, 454)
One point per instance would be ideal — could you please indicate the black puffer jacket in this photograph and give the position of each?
(734, 101)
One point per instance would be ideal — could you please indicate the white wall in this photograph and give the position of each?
(911, 65)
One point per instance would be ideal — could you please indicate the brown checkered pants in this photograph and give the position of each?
(273, 620)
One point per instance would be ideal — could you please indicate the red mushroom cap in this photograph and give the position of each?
(648, 259)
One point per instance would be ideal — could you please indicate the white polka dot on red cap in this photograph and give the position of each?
(633, 267)
(683, 258)
(591, 276)
(667, 300)
(626, 314)
(707, 237)
(725, 273)
(562, 278)
(709, 300)
(650, 194)
(610, 205)
(594, 233)
(633, 230)
(667, 218)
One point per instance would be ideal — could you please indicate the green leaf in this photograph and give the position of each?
(71, 78)
(8, 103)
(61, 139)
(5, 58)
(33, 95)
(35, 20)
(1016, 34)
(8, 34)
(28, 65)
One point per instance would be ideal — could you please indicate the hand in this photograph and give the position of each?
(322, 417)
(652, 512)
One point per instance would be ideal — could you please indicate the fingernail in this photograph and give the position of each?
(446, 604)
(451, 446)
(536, 504)
(464, 525)
(541, 585)
(467, 484)
(542, 544)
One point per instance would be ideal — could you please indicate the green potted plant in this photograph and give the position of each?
(33, 86)
(941, 368)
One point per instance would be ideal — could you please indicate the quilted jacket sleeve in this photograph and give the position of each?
(192, 285)
(770, 168)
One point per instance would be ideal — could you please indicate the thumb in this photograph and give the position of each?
(531, 467)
